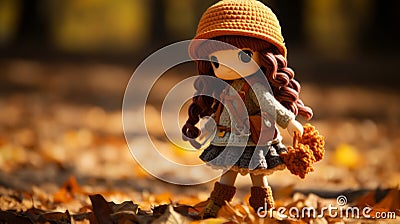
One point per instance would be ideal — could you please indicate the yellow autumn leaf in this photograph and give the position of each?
(347, 156)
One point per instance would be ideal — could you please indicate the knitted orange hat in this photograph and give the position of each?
(239, 17)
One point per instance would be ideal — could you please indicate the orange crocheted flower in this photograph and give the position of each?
(306, 150)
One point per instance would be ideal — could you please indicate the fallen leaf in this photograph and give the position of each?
(170, 216)
(160, 209)
(55, 217)
(187, 210)
(101, 209)
(85, 216)
(68, 191)
(124, 206)
(13, 217)
(229, 212)
(347, 156)
(390, 203)
(128, 217)
(367, 200)
(34, 212)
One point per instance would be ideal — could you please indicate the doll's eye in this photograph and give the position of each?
(245, 56)
(215, 62)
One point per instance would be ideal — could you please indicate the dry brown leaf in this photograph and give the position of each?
(13, 217)
(124, 206)
(185, 210)
(86, 216)
(160, 209)
(170, 216)
(128, 217)
(251, 216)
(101, 209)
(367, 200)
(390, 203)
(229, 212)
(200, 206)
(34, 215)
(68, 191)
(57, 217)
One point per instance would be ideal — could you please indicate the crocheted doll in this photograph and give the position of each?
(254, 67)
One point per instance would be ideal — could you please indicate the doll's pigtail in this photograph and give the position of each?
(284, 87)
(195, 110)
(189, 130)
(202, 103)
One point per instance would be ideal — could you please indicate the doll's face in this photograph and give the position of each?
(234, 64)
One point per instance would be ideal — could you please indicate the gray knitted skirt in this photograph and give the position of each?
(251, 159)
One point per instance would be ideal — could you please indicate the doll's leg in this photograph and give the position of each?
(223, 191)
(229, 177)
(259, 180)
(261, 193)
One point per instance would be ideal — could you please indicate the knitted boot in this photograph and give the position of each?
(261, 197)
(219, 195)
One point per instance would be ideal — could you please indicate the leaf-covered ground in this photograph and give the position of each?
(64, 159)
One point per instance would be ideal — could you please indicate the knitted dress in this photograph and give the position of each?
(237, 151)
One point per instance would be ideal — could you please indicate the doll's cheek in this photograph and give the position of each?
(226, 73)
(247, 69)
(229, 76)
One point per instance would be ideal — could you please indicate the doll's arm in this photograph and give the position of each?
(284, 117)
(210, 124)
(207, 130)
(269, 104)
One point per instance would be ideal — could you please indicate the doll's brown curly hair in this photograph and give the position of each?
(273, 64)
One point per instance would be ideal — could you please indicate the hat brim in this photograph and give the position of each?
(197, 41)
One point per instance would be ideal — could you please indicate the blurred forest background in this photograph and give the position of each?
(64, 66)
(356, 34)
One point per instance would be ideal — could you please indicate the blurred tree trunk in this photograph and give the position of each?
(383, 27)
(158, 29)
(201, 7)
(291, 19)
(33, 27)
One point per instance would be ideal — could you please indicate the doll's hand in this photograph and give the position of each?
(294, 126)
(204, 133)
(207, 131)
